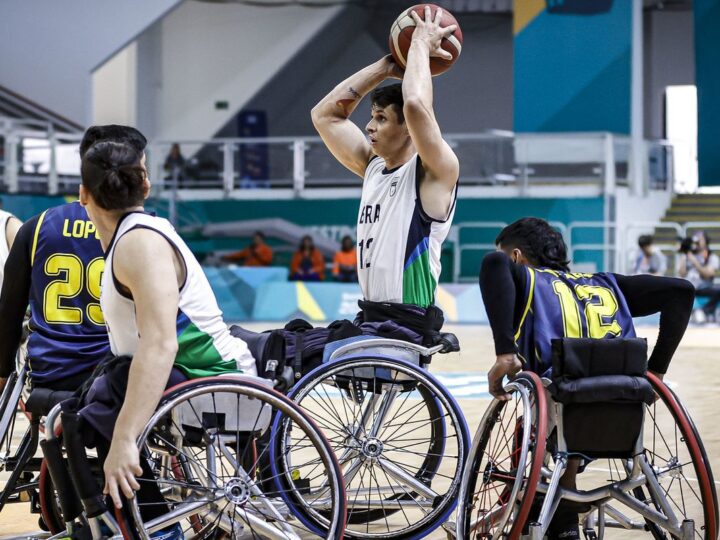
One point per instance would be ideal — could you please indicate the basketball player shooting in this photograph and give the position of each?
(409, 172)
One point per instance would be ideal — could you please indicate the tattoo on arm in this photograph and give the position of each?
(347, 103)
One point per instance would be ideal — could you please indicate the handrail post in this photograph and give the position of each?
(52, 174)
(609, 179)
(228, 168)
(11, 163)
(298, 148)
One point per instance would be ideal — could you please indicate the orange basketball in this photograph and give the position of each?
(403, 28)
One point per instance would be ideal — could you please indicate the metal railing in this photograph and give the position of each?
(36, 159)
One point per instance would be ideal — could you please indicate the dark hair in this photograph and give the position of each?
(645, 240)
(260, 234)
(389, 95)
(112, 173)
(306, 237)
(541, 244)
(115, 133)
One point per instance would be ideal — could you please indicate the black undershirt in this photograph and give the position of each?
(503, 285)
(15, 295)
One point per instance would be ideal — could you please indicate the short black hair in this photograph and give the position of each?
(112, 173)
(645, 240)
(260, 234)
(542, 245)
(389, 95)
(115, 133)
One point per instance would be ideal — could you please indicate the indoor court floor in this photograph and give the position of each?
(693, 374)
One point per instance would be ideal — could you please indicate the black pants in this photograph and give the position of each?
(713, 293)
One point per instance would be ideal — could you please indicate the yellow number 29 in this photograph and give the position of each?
(600, 310)
(71, 277)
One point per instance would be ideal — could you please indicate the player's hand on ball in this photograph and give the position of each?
(505, 365)
(430, 32)
(121, 467)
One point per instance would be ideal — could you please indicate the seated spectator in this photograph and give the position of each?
(698, 264)
(258, 253)
(649, 260)
(175, 163)
(345, 261)
(308, 263)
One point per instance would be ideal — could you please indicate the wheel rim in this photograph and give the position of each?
(346, 399)
(675, 451)
(506, 459)
(224, 484)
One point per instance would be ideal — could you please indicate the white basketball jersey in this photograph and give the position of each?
(4, 248)
(205, 346)
(398, 243)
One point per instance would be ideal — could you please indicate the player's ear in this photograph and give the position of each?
(518, 257)
(83, 195)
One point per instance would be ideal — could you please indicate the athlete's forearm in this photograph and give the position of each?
(417, 82)
(344, 98)
(149, 374)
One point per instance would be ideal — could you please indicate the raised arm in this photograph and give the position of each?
(438, 159)
(156, 297)
(331, 116)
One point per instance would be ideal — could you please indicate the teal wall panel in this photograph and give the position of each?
(707, 77)
(572, 71)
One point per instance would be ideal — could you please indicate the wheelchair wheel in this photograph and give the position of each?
(399, 436)
(204, 471)
(505, 462)
(676, 454)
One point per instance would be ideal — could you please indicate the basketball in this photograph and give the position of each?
(401, 36)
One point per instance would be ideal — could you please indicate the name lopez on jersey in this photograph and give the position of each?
(370, 213)
(80, 228)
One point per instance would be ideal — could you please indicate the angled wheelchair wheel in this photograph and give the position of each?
(505, 462)
(677, 457)
(399, 436)
(204, 469)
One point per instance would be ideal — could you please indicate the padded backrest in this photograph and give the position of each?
(575, 358)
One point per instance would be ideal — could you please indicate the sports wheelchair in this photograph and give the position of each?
(600, 405)
(20, 404)
(400, 437)
(203, 470)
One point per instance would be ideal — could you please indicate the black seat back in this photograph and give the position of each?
(602, 386)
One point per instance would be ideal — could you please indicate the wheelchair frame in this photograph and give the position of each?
(95, 513)
(377, 353)
(640, 473)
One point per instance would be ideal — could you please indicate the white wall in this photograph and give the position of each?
(202, 53)
(114, 89)
(49, 47)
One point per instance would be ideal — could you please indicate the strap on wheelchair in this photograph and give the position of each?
(69, 503)
(80, 469)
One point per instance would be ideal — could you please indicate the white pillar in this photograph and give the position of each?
(638, 157)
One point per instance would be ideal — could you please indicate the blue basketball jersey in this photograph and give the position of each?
(572, 305)
(68, 330)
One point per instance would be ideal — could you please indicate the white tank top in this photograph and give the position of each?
(205, 346)
(4, 247)
(398, 243)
